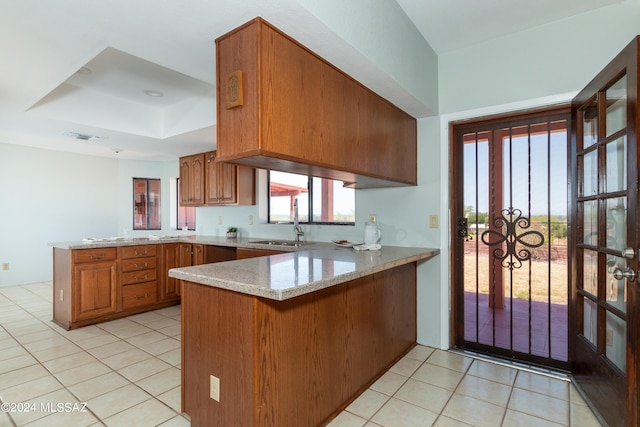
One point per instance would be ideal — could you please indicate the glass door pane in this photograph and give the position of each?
(590, 124)
(617, 106)
(616, 216)
(616, 153)
(590, 174)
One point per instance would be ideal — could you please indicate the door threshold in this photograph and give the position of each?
(535, 369)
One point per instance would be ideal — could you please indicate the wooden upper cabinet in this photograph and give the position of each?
(281, 107)
(192, 180)
(228, 184)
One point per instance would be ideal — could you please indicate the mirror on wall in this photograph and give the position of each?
(146, 204)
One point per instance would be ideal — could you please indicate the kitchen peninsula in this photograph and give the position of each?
(291, 339)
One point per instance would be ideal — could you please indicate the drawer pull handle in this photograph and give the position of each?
(139, 297)
(141, 266)
(98, 256)
(140, 253)
(140, 278)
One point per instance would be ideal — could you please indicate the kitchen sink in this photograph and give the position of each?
(280, 243)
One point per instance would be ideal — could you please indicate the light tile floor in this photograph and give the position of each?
(127, 372)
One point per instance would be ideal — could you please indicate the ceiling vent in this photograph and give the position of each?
(83, 136)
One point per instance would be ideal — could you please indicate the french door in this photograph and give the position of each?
(605, 243)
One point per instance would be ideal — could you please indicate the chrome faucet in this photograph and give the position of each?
(296, 226)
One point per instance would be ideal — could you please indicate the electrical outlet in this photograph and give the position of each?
(433, 221)
(250, 219)
(5, 265)
(61, 294)
(373, 218)
(214, 388)
(220, 219)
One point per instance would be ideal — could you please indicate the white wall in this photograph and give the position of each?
(52, 196)
(544, 61)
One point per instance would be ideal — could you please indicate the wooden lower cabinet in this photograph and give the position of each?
(296, 362)
(96, 285)
(174, 255)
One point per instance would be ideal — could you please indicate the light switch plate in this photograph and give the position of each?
(433, 221)
(214, 388)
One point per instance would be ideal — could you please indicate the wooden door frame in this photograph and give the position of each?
(625, 63)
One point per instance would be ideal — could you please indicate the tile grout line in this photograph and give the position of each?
(83, 350)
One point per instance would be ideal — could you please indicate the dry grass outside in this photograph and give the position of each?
(547, 279)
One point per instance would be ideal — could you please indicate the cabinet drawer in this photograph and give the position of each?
(138, 264)
(93, 255)
(139, 276)
(138, 251)
(139, 295)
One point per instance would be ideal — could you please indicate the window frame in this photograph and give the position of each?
(148, 206)
(310, 190)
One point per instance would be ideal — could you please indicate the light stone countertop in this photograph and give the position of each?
(288, 275)
(243, 242)
(302, 269)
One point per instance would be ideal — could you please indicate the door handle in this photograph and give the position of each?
(463, 229)
(627, 273)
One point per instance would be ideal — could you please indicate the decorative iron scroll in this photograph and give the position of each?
(514, 222)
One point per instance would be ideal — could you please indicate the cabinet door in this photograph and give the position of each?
(95, 287)
(227, 183)
(192, 180)
(197, 255)
(197, 179)
(174, 255)
(211, 179)
(221, 182)
(185, 179)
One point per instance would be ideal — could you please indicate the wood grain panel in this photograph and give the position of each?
(218, 325)
(219, 253)
(295, 362)
(139, 276)
(139, 264)
(92, 255)
(138, 251)
(239, 52)
(304, 112)
(62, 277)
(243, 253)
(139, 295)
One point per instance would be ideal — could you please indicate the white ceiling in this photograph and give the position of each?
(82, 66)
(453, 24)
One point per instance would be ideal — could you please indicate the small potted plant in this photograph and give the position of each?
(232, 232)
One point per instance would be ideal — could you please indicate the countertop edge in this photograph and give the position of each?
(281, 295)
